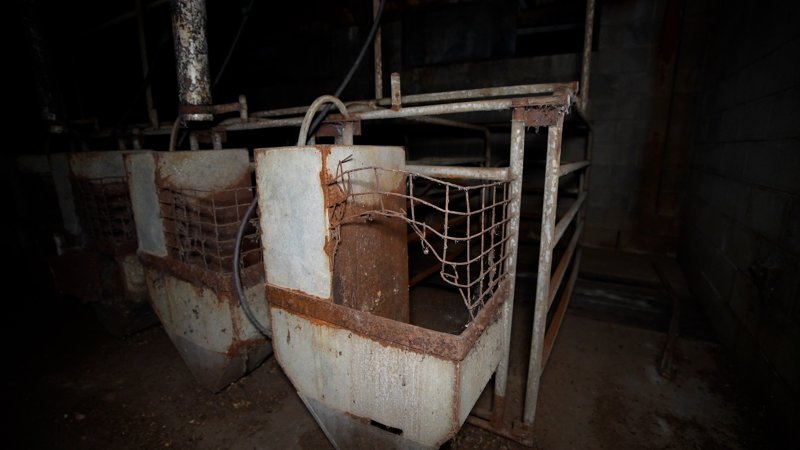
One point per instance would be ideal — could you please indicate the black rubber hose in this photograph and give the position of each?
(237, 271)
(318, 120)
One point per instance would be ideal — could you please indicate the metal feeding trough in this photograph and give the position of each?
(188, 206)
(336, 219)
(97, 256)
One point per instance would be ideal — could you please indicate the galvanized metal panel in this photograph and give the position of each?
(204, 170)
(477, 368)
(59, 164)
(105, 164)
(353, 374)
(294, 220)
(140, 168)
(209, 329)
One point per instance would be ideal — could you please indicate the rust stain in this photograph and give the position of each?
(386, 331)
(219, 282)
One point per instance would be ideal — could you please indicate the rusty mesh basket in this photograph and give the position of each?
(462, 226)
(200, 227)
(105, 208)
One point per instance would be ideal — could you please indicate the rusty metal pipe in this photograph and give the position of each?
(586, 62)
(466, 94)
(191, 56)
(572, 167)
(547, 243)
(569, 216)
(455, 172)
(377, 9)
(414, 111)
(563, 263)
(517, 156)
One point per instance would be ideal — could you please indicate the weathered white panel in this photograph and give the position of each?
(478, 367)
(140, 168)
(59, 164)
(398, 388)
(105, 164)
(294, 221)
(360, 156)
(199, 315)
(205, 170)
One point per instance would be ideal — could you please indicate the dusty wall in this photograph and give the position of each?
(740, 242)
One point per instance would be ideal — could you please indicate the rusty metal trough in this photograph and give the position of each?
(336, 221)
(188, 206)
(98, 263)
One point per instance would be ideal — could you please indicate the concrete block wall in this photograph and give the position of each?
(639, 162)
(740, 244)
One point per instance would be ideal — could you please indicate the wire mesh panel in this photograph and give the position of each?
(200, 227)
(462, 226)
(105, 207)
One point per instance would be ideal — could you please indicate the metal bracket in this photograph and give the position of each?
(339, 129)
(537, 116)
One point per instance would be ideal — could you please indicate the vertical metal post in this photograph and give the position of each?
(191, 55)
(148, 93)
(586, 64)
(516, 156)
(378, 53)
(43, 75)
(396, 96)
(551, 176)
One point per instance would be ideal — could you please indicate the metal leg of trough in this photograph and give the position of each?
(551, 179)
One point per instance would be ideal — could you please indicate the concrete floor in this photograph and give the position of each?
(600, 390)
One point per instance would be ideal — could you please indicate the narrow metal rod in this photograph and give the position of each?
(550, 200)
(572, 167)
(517, 156)
(376, 43)
(456, 172)
(413, 111)
(586, 64)
(449, 123)
(506, 433)
(565, 221)
(563, 263)
(467, 94)
(558, 316)
(148, 92)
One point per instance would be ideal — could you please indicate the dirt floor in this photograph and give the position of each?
(85, 389)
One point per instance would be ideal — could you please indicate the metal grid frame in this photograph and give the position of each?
(540, 106)
(200, 227)
(104, 205)
(460, 228)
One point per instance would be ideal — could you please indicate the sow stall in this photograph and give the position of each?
(336, 224)
(188, 206)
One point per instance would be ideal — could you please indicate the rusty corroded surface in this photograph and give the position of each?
(360, 280)
(547, 244)
(191, 55)
(104, 208)
(386, 331)
(208, 327)
(539, 116)
(217, 281)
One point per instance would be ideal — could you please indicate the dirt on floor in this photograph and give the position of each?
(82, 388)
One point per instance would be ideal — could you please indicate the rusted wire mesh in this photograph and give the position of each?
(105, 209)
(462, 226)
(200, 227)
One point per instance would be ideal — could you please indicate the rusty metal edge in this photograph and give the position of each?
(216, 281)
(389, 332)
